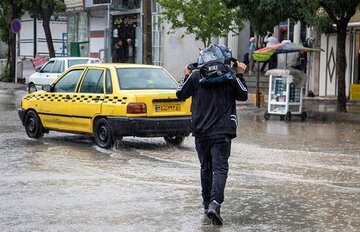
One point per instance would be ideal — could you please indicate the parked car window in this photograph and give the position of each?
(77, 61)
(57, 67)
(145, 78)
(68, 82)
(109, 89)
(93, 82)
(92, 61)
(47, 67)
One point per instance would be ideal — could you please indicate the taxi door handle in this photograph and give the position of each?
(67, 97)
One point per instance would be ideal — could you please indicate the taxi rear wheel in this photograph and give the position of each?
(33, 126)
(174, 140)
(103, 134)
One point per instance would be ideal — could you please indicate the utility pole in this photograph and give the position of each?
(13, 56)
(35, 37)
(16, 8)
(147, 32)
(257, 88)
(107, 35)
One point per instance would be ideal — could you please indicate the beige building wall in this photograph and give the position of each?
(178, 51)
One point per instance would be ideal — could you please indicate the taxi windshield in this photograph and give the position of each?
(145, 78)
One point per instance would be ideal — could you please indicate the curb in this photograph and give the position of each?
(247, 108)
(334, 116)
(11, 85)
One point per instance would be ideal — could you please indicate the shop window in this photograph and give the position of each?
(101, 1)
(124, 38)
(127, 4)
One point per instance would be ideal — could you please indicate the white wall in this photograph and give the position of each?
(97, 26)
(27, 36)
(243, 42)
(177, 51)
(327, 85)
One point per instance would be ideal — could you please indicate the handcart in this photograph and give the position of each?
(285, 93)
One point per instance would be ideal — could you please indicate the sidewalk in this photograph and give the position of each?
(13, 86)
(317, 109)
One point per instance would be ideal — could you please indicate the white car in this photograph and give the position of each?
(52, 68)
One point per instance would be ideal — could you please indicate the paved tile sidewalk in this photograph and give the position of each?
(317, 108)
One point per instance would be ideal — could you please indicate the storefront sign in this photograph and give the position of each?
(73, 5)
(38, 61)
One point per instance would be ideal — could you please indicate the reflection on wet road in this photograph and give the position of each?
(283, 177)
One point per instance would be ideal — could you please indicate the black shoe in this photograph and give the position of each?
(214, 213)
(206, 207)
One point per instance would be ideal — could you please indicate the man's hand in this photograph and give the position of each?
(240, 68)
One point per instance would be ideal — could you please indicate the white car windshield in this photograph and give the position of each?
(145, 78)
(77, 61)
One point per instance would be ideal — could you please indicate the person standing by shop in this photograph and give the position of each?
(120, 52)
(270, 40)
(214, 124)
(252, 48)
(131, 51)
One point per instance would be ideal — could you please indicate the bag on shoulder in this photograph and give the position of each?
(214, 63)
(215, 72)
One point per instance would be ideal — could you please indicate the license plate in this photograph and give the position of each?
(167, 108)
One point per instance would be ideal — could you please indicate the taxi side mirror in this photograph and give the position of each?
(46, 88)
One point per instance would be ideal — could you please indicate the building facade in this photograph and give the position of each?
(32, 40)
(321, 66)
(94, 28)
(327, 81)
(124, 20)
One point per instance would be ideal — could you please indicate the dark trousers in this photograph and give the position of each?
(272, 63)
(213, 156)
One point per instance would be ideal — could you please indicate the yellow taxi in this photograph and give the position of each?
(109, 101)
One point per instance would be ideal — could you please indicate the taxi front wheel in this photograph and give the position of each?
(33, 126)
(103, 134)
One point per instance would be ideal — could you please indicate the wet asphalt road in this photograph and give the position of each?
(284, 176)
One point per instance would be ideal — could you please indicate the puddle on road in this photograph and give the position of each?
(297, 135)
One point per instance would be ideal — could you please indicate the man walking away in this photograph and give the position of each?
(214, 121)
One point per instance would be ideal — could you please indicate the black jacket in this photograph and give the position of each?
(213, 106)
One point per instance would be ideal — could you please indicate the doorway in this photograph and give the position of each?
(125, 38)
